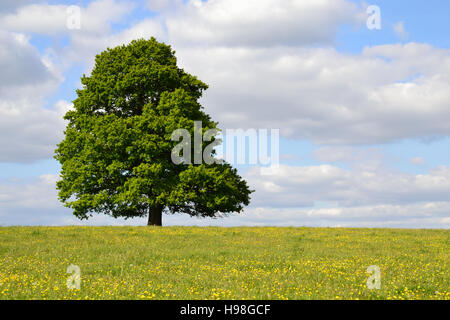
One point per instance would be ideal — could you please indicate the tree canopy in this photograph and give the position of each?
(116, 153)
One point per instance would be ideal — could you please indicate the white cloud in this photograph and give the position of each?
(179, 19)
(28, 130)
(35, 202)
(33, 194)
(420, 215)
(384, 94)
(307, 186)
(20, 63)
(52, 19)
(84, 47)
(400, 30)
(260, 22)
(11, 5)
(38, 18)
(387, 93)
(164, 5)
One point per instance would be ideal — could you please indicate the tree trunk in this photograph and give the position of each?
(155, 216)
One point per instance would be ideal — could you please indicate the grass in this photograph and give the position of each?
(223, 263)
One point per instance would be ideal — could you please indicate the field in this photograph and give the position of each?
(223, 263)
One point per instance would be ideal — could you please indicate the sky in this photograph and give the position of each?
(363, 112)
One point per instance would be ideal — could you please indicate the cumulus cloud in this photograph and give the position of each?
(21, 63)
(384, 94)
(164, 5)
(308, 186)
(31, 194)
(49, 19)
(420, 215)
(11, 5)
(260, 22)
(387, 93)
(84, 46)
(28, 130)
(93, 35)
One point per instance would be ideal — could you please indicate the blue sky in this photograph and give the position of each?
(425, 22)
(362, 113)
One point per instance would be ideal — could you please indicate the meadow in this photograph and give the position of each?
(223, 263)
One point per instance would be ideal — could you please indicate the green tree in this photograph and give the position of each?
(116, 153)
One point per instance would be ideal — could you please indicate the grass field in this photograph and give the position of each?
(223, 263)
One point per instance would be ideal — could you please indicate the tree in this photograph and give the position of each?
(116, 155)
